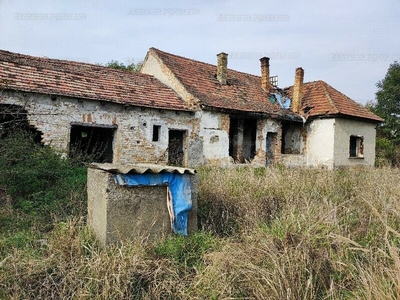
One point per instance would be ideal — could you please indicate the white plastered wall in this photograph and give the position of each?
(153, 66)
(344, 128)
(320, 143)
(215, 138)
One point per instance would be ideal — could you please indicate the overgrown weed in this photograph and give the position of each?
(266, 233)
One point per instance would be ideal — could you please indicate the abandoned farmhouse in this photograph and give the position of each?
(182, 112)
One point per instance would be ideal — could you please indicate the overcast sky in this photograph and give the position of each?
(348, 44)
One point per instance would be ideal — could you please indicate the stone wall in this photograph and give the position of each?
(133, 136)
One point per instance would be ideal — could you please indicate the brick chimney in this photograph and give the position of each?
(265, 84)
(222, 67)
(297, 87)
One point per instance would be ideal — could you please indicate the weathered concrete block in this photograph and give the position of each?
(120, 213)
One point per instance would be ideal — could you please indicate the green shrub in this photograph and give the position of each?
(387, 153)
(38, 180)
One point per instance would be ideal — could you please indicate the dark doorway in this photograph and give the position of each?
(233, 138)
(242, 139)
(92, 144)
(176, 155)
(249, 139)
(270, 147)
(285, 128)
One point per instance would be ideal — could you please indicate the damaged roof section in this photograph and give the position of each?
(87, 81)
(241, 92)
(319, 99)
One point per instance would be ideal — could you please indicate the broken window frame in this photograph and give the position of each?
(356, 146)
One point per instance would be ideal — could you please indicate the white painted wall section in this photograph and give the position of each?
(270, 126)
(215, 140)
(320, 143)
(343, 130)
(156, 68)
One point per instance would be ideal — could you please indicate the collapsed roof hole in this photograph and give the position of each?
(15, 117)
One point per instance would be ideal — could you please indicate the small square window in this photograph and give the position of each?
(156, 133)
(356, 146)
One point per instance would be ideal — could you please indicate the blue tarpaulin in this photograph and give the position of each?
(282, 100)
(179, 185)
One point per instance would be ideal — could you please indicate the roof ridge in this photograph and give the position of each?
(45, 58)
(243, 92)
(88, 81)
(327, 94)
(305, 83)
(202, 62)
(38, 59)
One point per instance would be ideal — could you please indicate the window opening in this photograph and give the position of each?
(91, 144)
(356, 146)
(156, 133)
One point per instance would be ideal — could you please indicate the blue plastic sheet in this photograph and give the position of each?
(179, 185)
(282, 100)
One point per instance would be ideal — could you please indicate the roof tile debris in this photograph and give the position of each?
(87, 81)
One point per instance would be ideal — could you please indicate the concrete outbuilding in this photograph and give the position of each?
(143, 201)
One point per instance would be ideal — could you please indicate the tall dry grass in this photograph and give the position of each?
(303, 234)
(267, 233)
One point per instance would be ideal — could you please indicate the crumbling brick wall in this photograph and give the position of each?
(54, 116)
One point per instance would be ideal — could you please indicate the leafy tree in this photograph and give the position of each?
(133, 67)
(387, 103)
(387, 106)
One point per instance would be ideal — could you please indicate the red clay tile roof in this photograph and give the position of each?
(243, 92)
(323, 100)
(87, 81)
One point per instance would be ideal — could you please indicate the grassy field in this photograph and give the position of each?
(266, 233)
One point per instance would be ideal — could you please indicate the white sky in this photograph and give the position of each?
(349, 44)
